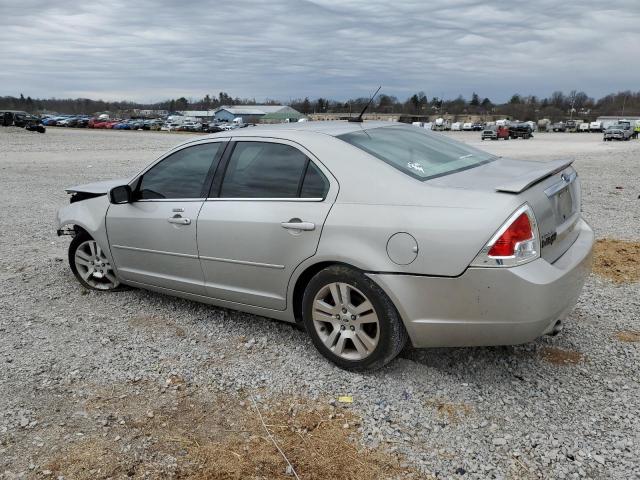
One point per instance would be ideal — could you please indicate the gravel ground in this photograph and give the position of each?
(562, 407)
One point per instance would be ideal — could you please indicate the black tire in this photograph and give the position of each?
(77, 241)
(392, 334)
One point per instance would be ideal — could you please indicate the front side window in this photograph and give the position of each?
(420, 154)
(180, 175)
(264, 170)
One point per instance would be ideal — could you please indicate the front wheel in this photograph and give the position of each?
(351, 321)
(90, 265)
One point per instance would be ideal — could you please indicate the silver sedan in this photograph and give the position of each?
(370, 234)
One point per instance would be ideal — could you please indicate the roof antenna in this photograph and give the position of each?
(358, 119)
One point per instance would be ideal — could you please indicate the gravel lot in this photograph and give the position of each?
(82, 370)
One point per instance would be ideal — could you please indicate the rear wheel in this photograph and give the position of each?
(90, 265)
(351, 320)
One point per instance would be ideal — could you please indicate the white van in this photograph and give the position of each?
(456, 126)
(583, 127)
(467, 126)
(595, 127)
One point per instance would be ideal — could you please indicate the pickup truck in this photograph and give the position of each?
(618, 132)
(495, 133)
(558, 127)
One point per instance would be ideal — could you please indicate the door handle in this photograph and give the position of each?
(179, 220)
(297, 224)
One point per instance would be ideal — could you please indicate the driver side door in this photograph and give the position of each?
(153, 238)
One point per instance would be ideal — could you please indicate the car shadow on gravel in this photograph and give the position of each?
(473, 363)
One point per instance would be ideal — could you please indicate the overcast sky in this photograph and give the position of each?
(150, 50)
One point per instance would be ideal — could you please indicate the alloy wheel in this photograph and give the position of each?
(346, 321)
(94, 267)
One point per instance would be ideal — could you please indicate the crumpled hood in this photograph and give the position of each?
(102, 187)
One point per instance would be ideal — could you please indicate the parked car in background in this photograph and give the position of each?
(595, 127)
(190, 126)
(583, 127)
(456, 126)
(363, 241)
(495, 132)
(558, 127)
(467, 126)
(520, 130)
(212, 128)
(22, 119)
(477, 127)
(571, 125)
(627, 124)
(618, 132)
(170, 126)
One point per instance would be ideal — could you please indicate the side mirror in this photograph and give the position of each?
(121, 194)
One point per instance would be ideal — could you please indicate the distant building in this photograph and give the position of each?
(201, 115)
(148, 113)
(257, 113)
(608, 120)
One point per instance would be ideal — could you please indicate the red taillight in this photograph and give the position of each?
(519, 231)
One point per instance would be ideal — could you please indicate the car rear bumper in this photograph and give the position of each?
(491, 306)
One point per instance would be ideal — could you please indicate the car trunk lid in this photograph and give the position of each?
(552, 189)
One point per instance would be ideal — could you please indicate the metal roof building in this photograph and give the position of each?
(257, 113)
(608, 120)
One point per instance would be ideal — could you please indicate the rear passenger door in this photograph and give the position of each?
(263, 217)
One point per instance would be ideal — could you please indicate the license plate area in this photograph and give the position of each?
(564, 205)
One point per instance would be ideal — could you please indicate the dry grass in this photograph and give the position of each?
(453, 412)
(557, 356)
(629, 336)
(155, 324)
(181, 434)
(617, 260)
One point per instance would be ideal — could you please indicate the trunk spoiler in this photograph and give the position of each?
(520, 184)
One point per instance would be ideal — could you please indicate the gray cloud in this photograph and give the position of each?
(150, 50)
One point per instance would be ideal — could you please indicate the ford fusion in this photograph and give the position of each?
(372, 235)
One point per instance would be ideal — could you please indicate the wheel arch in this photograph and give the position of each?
(89, 216)
(302, 280)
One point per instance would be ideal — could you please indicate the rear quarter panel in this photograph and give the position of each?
(448, 238)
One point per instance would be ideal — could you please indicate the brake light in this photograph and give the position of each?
(516, 242)
(518, 231)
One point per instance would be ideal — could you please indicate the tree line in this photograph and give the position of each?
(558, 106)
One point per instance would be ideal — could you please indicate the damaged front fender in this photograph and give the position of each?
(88, 215)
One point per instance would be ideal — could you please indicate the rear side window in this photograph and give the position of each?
(416, 152)
(180, 175)
(265, 170)
(315, 184)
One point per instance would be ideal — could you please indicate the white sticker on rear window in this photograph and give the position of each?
(415, 166)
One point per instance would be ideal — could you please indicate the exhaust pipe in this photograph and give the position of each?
(557, 328)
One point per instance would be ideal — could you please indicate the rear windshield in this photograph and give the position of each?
(417, 152)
